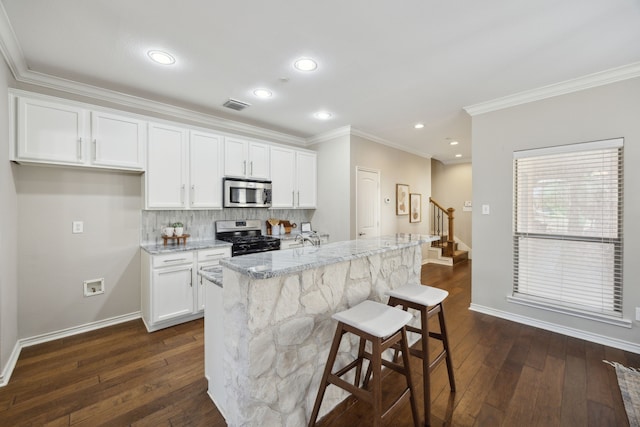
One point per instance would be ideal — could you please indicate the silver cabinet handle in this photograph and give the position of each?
(293, 198)
(251, 168)
(298, 199)
(182, 194)
(174, 260)
(244, 167)
(214, 255)
(80, 148)
(361, 234)
(95, 149)
(193, 192)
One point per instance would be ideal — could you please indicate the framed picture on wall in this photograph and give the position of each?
(402, 199)
(415, 206)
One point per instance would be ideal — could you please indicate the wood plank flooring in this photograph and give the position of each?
(507, 374)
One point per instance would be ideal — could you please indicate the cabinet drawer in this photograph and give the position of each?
(176, 258)
(208, 255)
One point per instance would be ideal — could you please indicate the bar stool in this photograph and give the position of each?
(428, 301)
(383, 326)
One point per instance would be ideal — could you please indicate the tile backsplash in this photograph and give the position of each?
(200, 224)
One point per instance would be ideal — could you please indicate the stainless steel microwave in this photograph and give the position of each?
(245, 193)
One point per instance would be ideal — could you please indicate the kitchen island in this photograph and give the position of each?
(268, 328)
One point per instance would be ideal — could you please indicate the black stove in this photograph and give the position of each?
(246, 237)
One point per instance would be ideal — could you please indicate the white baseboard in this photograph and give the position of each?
(50, 336)
(564, 330)
(10, 365)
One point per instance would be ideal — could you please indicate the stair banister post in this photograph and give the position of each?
(450, 240)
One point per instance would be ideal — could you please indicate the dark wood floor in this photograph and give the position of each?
(507, 374)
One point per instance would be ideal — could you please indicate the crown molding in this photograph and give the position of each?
(349, 130)
(9, 46)
(328, 136)
(382, 141)
(601, 78)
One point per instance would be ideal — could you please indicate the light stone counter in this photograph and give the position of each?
(275, 327)
(155, 249)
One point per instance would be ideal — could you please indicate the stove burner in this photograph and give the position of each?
(246, 237)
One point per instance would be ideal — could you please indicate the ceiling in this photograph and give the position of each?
(383, 66)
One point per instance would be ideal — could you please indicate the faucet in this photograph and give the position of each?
(312, 238)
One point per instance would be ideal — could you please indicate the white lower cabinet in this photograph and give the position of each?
(172, 290)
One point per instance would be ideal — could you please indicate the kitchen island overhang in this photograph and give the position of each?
(268, 329)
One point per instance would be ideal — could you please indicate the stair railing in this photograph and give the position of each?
(441, 223)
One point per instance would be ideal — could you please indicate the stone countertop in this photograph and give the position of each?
(293, 234)
(212, 274)
(155, 249)
(279, 263)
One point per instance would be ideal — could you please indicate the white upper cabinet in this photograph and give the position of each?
(166, 167)
(118, 141)
(184, 169)
(283, 170)
(49, 132)
(294, 177)
(61, 132)
(307, 179)
(205, 170)
(246, 159)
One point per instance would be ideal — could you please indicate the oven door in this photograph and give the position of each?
(246, 194)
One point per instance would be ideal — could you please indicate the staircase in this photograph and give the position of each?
(444, 251)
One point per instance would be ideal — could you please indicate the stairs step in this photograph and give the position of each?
(459, 256)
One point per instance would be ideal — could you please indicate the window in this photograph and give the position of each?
(568, 228)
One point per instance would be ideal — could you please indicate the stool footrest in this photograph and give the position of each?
(400, 400)
(357, 391)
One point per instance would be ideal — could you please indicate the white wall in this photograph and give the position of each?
(8, 234)
(451, 187)
(53, 262)
(594, 114)
(334, 192)
(396, 167)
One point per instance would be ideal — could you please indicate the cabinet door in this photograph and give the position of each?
(258, 161)
(235, 157)
(306, 173)
(165, 177)
(51, 132)
(205, 170)
(117, 141)
(283, 177)
(172, 293)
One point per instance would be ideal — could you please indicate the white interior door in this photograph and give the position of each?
(367, 204)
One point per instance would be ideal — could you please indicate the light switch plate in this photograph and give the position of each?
(78, 227)
(486, 209)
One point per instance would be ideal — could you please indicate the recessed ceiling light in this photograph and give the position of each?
(322, 115)
(305, 64)
(418, 126)
(262, 93)
(458, 155)
(453, 143)
(161, 57)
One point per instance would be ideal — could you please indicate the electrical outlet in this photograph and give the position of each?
(77, 227)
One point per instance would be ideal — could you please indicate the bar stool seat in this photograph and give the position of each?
(428, 301)
(384, 327)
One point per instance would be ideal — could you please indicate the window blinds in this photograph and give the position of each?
(568, 226)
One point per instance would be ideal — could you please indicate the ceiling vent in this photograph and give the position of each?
(234, 104)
